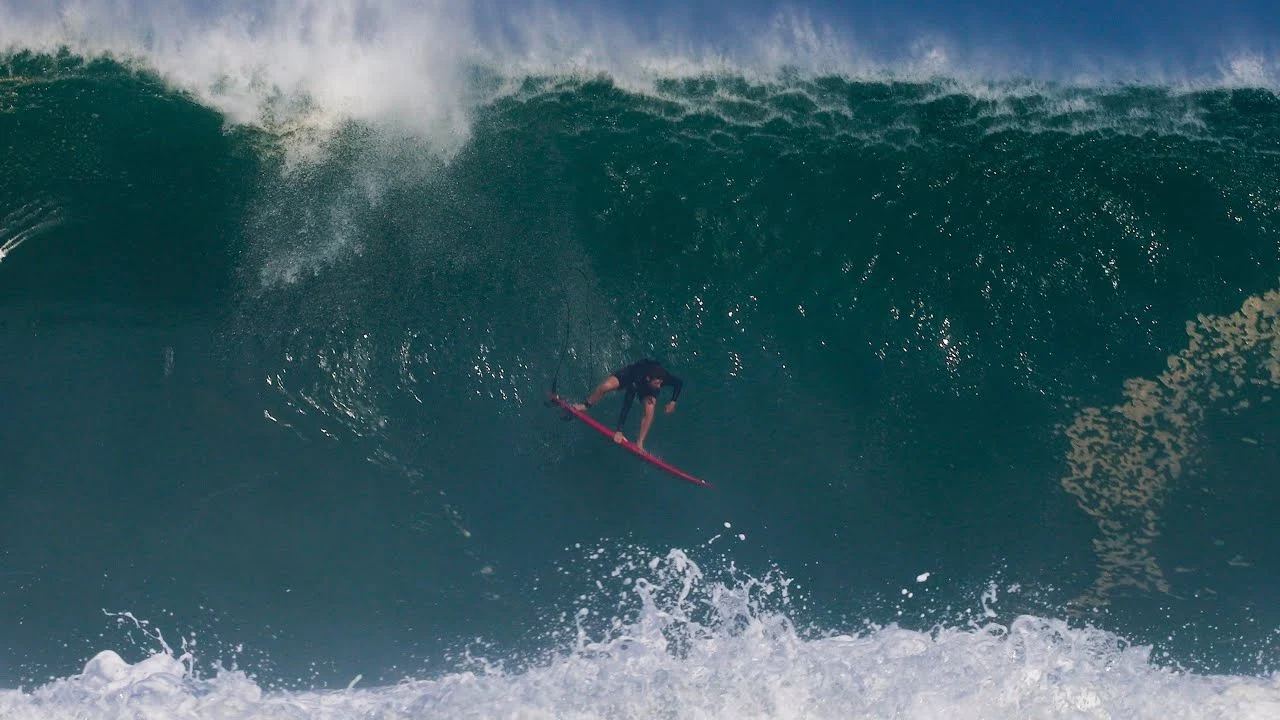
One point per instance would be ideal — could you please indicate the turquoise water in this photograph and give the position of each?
(982, 373)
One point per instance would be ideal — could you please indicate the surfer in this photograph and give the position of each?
(646, 379)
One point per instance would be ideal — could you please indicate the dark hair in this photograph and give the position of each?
(654, 369)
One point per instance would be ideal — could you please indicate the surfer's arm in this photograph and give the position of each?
(626, 407)
(676, 385)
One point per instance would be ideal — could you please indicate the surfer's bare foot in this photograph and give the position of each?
(619, 438)
(579, 406)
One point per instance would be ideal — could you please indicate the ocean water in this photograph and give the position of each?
(982, 367)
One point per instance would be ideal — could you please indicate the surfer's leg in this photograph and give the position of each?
(650, 402)
(606, 386)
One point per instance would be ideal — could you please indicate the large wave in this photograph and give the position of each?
(356, 239)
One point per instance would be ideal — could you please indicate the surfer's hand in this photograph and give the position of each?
(619, 438)
(671, 407)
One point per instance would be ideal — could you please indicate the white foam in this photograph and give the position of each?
(691, 647)
(297, 63)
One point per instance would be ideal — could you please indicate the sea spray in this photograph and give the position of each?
(694, 645)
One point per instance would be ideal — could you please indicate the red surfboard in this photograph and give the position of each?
(626, 444)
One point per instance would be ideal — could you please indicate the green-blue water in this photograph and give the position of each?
(287, 404)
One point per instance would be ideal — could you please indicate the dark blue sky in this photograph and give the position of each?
(1064, 39)
(1177, 34)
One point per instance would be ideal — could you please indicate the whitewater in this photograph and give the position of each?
(689, 646)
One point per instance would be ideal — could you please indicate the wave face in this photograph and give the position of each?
(276, 382)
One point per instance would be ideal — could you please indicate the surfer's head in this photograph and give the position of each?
(654, 374)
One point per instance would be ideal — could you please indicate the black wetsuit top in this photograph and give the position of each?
(633, 378)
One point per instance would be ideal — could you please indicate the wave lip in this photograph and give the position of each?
(428, 66)
(299, 63)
